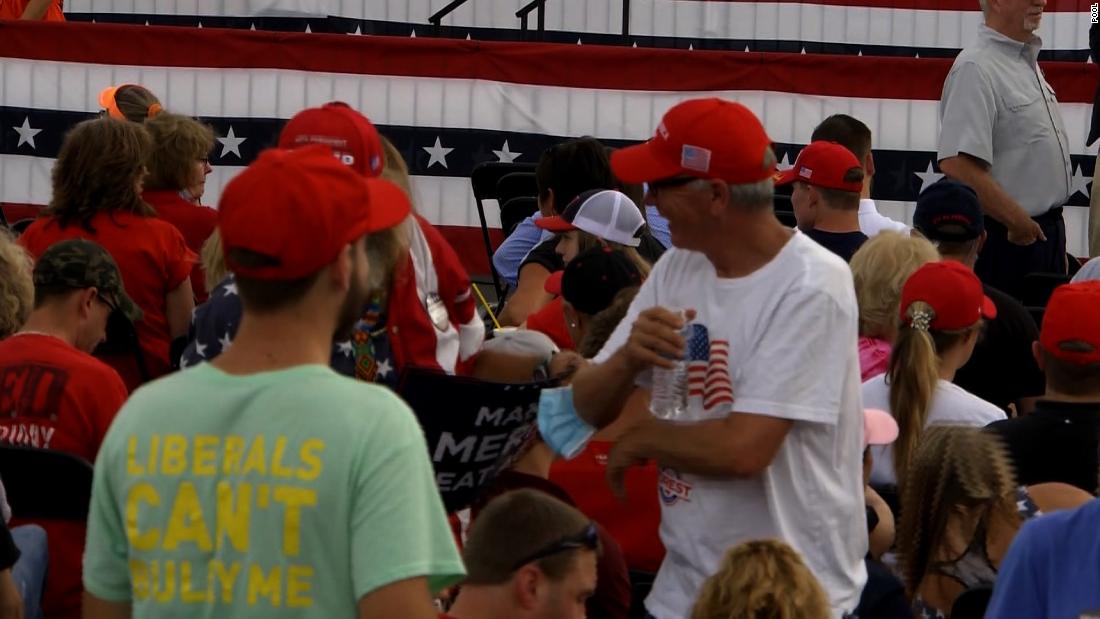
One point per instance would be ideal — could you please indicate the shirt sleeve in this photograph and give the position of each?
(407, 534)
(802, 362)
(967, 112)
(544, 255)
(106, 568)
(1017, 592)
(509, 256)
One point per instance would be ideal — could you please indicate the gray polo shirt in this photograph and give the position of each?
(998, 107)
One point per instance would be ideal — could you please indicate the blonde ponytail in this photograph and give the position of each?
(912, 377)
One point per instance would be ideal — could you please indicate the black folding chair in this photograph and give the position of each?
(46, 484)
(515, 211)
(517, 185)
(784, 210)
(484, 181)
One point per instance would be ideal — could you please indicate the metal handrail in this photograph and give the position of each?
(437, 17)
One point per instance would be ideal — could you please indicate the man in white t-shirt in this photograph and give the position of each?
(855, 136)
(770, 444)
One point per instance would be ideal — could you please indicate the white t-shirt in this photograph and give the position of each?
(871, 222)
(780, 342)
(951, 406)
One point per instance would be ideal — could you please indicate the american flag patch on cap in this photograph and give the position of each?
(695, 158)
(805, 172)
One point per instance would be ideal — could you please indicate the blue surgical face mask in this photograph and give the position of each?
(560, 427)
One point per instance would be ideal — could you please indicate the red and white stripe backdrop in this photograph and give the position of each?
(472, 97)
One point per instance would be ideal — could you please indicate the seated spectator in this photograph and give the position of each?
(827, 181)
(16, 285)
(130, 102)
(1058, 441)
(178, 165)
(852, 134)
(763, 578)
(598, 218)
(1002, 370)
(1052, 568)
(44, 10)
(564, 171)
(589, 283)
(56, 395)
(97, 184)
(268, 410)
(883, 596)
(879, 269)
(528, 556)
(960, 509)
(941, 312)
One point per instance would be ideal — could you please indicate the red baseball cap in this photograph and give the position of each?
(953, 291)
(300, 207)
(823, 164)
(1068, 318)
(707, 138)
(350, 135)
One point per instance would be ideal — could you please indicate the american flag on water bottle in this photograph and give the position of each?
(708, 369)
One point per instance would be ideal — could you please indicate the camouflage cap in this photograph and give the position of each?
(80, 263)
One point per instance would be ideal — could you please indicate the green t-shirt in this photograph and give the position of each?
(282, 494)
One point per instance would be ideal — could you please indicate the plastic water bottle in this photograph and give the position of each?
(668, 396)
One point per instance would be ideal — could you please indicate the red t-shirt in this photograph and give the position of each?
(635, 523)
(195, 222)
(13, 9)
(154, 260)
(56, 397)
(550, 319)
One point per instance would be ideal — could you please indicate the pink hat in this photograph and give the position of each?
(879, 427)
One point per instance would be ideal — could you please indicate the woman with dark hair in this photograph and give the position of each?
(178, 165)
(97, 185)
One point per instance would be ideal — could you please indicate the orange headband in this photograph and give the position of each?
(107, 102)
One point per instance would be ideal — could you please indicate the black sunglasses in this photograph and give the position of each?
(588, 538)
(669, 183)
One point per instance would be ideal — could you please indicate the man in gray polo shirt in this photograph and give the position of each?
(1001, 133)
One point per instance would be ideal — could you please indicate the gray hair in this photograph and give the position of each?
(751, 195)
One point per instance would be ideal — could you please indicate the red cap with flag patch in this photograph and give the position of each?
(824, 164)
(705, 138)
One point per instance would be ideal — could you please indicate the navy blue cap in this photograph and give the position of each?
(949, 211)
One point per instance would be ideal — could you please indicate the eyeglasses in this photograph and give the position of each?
(588, 538)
